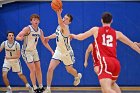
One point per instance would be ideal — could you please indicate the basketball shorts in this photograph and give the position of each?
(30, 56)
(67, 58)
(109, 68)
(14, 65)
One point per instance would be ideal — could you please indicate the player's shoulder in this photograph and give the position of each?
(4, 42)
(119, 34)
(27, 27)
(95, 28)
(16, 42)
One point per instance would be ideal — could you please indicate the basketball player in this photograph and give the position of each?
(30, 35)
(12, 55)
(106, 43)
(63, 50)
(92, 49)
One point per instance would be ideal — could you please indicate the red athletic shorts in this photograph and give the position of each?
(109, 68)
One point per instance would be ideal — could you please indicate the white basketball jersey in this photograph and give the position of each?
(11, 49)
(31, 40)
(63, 42)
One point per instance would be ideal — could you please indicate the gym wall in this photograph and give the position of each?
(86, 14)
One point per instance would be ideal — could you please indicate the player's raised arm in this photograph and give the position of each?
(25, 31)
(46, 44)
(63, 22)
(127, 41)
(88, 51)
(60, 20)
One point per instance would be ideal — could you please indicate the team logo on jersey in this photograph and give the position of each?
(36, 35)
(10, 50)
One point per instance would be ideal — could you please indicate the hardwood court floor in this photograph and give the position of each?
(74, 90)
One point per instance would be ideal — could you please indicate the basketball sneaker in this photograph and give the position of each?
(9, 91)
(47, 91)
(77, 79)
(30, 89)
(37, 91)
(42, 89)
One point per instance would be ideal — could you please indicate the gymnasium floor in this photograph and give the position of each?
(74, 90)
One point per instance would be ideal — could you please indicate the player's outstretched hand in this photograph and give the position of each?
(47, 39)
(85, 64)
(59, 11)
(72, 36)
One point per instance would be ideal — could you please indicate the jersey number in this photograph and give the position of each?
(107, 40)
(10, 53)
(57, 38)
(36, 39)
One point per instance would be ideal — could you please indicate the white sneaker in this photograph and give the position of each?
(47, 91)
(77, 79)
(30, 89)
(9, 91)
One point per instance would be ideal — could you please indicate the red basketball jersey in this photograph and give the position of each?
(94, 55)
(106, 42)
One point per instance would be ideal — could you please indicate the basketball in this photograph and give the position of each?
(56, 5)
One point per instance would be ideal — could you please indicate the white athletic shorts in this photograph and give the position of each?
(67, 58)
(15, 65)
(30, 56)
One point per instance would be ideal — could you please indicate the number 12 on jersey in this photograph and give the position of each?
(107, 40)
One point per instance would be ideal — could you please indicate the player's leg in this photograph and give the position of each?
(115, 87)
(96, 70)
(68, 60)
(5, 79)
(5, 69)
(32, 69)
(16, 67)
(106, 74)
(106, 85)
(28, 58)
(38, 70)
(71, 70)
(53, 64)
(39, 75)
(24, 79)
(115, 75)
(74, 72)
(6, 82)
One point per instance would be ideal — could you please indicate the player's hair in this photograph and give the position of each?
(10, 32)
(70, 16)
(107, 17)
(34, 16)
